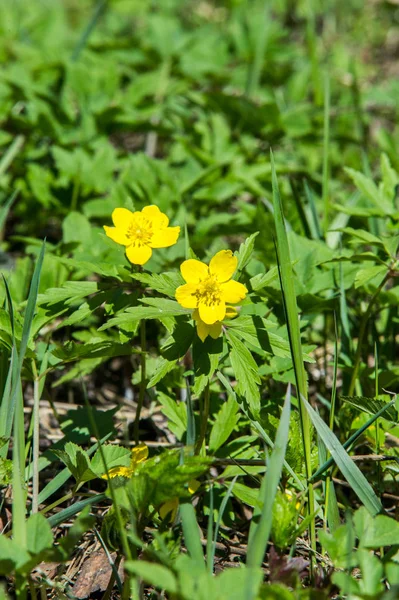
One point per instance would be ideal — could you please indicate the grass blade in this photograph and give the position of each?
(326, 145)
(348, 468)
(351, 440)
(11, 153)
(5, 209)
(261, 530)
(292, 316)
(191, 533)
(10, 402)
(74, 509)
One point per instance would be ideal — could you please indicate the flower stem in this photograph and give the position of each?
(362, 331)
(204, 419)
(142, 382)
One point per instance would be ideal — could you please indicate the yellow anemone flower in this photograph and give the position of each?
(209, 288)
(138, 455)
(141, 231)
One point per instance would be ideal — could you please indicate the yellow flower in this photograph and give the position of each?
(138, 455)
(169, 508)
(141, 231)
(209, 288)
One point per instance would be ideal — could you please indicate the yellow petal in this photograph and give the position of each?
(193, 486)
(186, 295)
(194, 271)
(213, 313)
(117, 235)
(231, 312)
(215, 330)
(203, 330)
(169, 508)
(158, 219)
(122, 217)
(163, 238)
(233, 291)
(139, 454)
(118, 472)
(138, 255)
(223, 265)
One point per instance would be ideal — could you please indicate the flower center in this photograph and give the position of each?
(140, 232)
(209, 291)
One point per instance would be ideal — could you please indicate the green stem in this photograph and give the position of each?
(35, 460)
(362, 331)
(326, 145)
(142, 382)
(204, 419)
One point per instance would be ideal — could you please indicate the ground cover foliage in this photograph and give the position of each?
(201, 401)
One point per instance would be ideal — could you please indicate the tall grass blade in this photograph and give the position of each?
(211, 555)
(350, 471)
(190, 417)
(326, 146)
(10, 401)
(5, 209)
(11, 153)
(351, 440)
(292, 316)
(191, 533)
(74, 509)
(259, 536)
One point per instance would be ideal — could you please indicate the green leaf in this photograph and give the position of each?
(373, 406)
(246, 372)
(115, 456)
(375, 532)
(166, 283)
(350, 471)
(226, 420)
(373, 275)
(245, 252)
(176, 413)
(39, 536)
(159, 309)
(163, 368)
(77, 461)
(12, 555)
(155, 575)
(68, 293)
(370, 190)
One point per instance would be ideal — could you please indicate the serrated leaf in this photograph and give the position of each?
(114, 456)
(68, 293)
(165, 283)
(163, 368)
(368, 188)
(246, 372)
(371, 406)
(373, 275)
(226, 419)
(245, 252)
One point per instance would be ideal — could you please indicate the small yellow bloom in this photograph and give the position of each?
(170, 507)
(138, 455)
(141, 231)
(209, 288)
